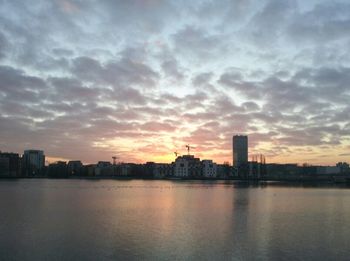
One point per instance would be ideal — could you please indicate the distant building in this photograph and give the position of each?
(74, 168)
(4, 167)
(344, 167)
(158, 170)
(282, 170)
(187, 166)
(209, 169)
(257, 167)
(327, 170)
(58, 170)
(239, 150)
(125, 170)
(33, 162)
(89, 170)
(224, 170)
(240, 154)
(104, 168)
(10, 164)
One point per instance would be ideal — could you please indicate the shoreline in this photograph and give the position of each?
(343, 179)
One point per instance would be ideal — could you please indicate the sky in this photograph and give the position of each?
(140, 79)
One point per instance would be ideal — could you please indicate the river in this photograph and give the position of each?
(43, 219)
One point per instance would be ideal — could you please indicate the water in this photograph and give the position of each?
(168, 220)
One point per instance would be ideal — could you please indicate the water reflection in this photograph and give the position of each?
(108, 220)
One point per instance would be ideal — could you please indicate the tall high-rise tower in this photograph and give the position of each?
(239, 150)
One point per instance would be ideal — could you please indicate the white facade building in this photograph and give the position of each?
(209, 169)
(181, 167)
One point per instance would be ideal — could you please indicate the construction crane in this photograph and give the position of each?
(189, 148)
(115, 160)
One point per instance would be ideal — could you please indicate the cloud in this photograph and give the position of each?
(126, 76)
(172, 69)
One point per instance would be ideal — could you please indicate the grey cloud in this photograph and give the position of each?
(172, 69)
(62, 52)
(266, 25)
(202, 79)
(197, 43)
(124, 72)
(3, 45)
(326, 22)
(16, 85)
(251, 106)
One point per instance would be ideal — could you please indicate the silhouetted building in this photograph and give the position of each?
(162, 170)
(344, 167)
(157, 170)
(257, 167)
(75, 168)
(10, 164)
(240, 154)
(33, 162)
(89, 170)
(104, 168)
(58, 170)
(327, 170)
(4, 166)
(274, 170)
(224, 170)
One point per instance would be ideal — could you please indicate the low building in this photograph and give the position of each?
(4, 167)
(89, 170)
(10, 164)
(104, 168)
(224, 170)
(75, 168)
(58, 170)
(321, 170)
(344, 167)
(282, 170)
(209, 169)
(162, 170)
(187, 166)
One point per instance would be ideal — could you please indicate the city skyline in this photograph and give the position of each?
(141, 79)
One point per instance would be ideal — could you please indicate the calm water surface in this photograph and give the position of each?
(169, 220)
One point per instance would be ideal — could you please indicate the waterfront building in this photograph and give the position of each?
(209, 169)
(257, 167)
(10, 164)
(344, 167)
(58, 170)
(239, 150)
(240, 154)
(33, 162)
(104, 168)
(275, 170)
(74, 167)
(327, 170)
(158, 170)
(187, 166)
(224, 170)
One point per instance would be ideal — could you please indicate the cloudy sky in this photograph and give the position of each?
(140, 79)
